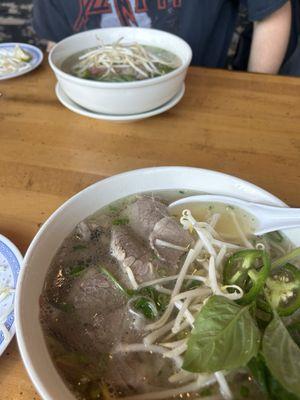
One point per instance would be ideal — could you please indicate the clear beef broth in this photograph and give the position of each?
(85, 316)
(79, 337)
(122, 73)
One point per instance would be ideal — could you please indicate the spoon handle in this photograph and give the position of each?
(268, 218)
(275, 218)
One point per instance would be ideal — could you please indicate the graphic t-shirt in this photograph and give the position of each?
(115, 19)
(207, 25)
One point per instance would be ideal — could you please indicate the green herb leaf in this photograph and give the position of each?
(161, 300)
(225, 337)
(120, 221)
(282, 355)
(294, 330)
(65, 307)
(268, 384)
(245, 391)
(118, 285)
(77, 270)
(79, 247)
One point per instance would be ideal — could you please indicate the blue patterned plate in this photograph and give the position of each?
(35, 52)
(10, 263)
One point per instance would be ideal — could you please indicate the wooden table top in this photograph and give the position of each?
(241, 124)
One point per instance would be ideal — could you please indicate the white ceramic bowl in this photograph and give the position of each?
(45, 244)
(125, 97)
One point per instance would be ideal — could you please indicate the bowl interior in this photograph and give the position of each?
(144, 36)
(59, 225)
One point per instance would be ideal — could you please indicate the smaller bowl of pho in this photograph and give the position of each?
(121, 71)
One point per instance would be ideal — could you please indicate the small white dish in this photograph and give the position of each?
(71, 105)
(35, 52)
(10, 264)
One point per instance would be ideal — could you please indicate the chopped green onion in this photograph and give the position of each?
(120, 221)
(79, 247)
(244, 391)
(118, 285)
(65, 307)
(146, 306)
(77, 270)
(113, 209)
(286, 258)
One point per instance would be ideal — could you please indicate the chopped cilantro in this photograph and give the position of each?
(120, 221)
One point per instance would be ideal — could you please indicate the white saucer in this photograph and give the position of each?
(71, 105)
(10, 264)
(36, 58)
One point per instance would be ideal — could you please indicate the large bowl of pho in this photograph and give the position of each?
(121, 70)
(119, 299)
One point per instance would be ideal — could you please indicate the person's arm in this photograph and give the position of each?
(50, 45)
(270, 41)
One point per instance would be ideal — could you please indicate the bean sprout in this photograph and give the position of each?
(15, 60)
(113, 60)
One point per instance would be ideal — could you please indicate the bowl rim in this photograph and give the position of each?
(122, 85)
(31, 368)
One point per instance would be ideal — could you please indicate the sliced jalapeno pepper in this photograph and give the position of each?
(249, 270)
(282, 290)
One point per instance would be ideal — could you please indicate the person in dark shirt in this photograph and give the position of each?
(207, 25)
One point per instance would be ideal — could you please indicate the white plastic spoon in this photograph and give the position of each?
(268, 218)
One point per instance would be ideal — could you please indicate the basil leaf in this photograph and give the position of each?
(268, 384)
(282, 355)
(225, 337)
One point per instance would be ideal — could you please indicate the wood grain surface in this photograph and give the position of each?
(242, 124)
